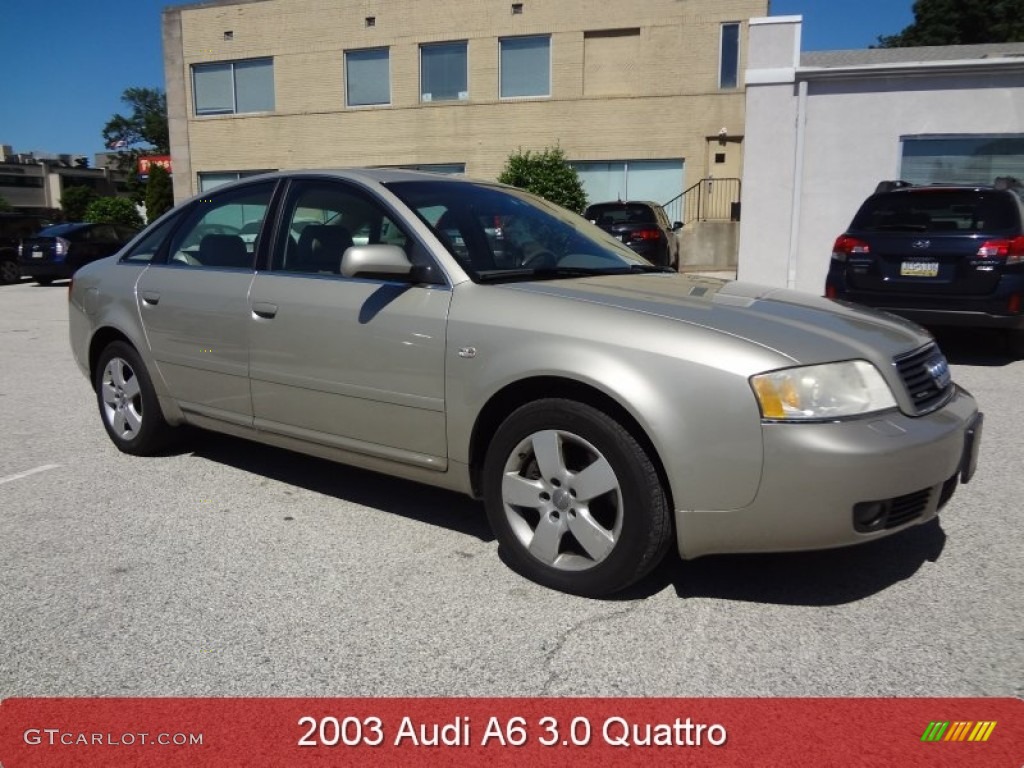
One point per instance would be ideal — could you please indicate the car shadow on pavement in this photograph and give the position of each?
(415, 501)
(974, 346)
(830, 577)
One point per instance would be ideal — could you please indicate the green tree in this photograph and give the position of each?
(75, 201)
(142, 131)
(960, 22)
(114, 210)
(159, 195)
(4, 205)
(548, 175)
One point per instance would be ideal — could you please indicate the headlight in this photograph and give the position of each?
(816, 392)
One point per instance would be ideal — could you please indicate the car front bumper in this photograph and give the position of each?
(815, 475)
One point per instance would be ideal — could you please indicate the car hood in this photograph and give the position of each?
(801, 327)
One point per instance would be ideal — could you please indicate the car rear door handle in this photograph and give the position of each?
(264, 309)
(151, 297)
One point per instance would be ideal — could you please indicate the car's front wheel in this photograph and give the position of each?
(574, 501)
(128, 403)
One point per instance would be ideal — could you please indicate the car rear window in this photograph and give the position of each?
(620, 214)
(59, 230)
(938, 211)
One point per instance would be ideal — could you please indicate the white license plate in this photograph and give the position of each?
(919, 269)
(37, 254)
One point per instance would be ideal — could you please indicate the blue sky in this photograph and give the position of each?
(65, 63)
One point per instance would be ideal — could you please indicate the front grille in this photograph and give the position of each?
(925, 374)
(883, 515)
(903, 509)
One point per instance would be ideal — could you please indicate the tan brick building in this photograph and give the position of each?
(636, 93)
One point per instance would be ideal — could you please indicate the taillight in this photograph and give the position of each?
(60, 247)
(647, 234)
(1011, 250)
(845, 245)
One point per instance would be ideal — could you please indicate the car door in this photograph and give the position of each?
(194, 305)
(352, 363)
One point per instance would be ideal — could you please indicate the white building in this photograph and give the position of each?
(822, 129)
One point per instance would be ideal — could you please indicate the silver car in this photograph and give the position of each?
(603, 408)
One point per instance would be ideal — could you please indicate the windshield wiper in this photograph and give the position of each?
(645, 268)
(543, 273)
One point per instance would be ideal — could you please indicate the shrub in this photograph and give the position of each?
(548, 175)
(114, 210)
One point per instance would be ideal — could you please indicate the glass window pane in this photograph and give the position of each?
(254, 85)
(443, 72)
(212, 89)
(208, 181)
(525, 67)
(367, 77)
(730, 57)
(962, 159)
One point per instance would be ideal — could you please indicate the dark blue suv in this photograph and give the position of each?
(938, 255)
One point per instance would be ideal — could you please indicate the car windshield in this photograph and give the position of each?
(937, 211)
(500, 233)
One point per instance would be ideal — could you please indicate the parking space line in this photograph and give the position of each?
(26, 473)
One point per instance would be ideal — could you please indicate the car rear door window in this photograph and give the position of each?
(212, 237)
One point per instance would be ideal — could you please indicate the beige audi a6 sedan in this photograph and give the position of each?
(471, 336)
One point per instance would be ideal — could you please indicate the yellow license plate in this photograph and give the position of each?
(919, 269)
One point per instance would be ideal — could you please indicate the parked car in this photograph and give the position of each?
(59, 250)
(642, 225)
(13, 228)
(940, 255)
(603, 408)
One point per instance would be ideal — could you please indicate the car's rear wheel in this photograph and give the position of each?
(574, 501)
(10, 272)
(128, 403)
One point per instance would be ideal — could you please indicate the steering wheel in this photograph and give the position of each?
(540, 260)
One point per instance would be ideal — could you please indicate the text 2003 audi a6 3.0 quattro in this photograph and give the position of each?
(602, 408)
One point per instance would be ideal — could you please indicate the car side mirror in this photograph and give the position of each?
(386, 261)
(676, 226)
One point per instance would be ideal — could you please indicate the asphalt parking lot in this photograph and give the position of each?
(231, 569)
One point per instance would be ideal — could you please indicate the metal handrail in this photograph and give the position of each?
(709, 199)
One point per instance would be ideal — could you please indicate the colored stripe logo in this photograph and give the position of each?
(959, 730)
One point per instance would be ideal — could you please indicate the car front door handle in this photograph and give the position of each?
(264, 309)
(151, 297)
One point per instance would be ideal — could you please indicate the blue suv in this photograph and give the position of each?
(938, 255)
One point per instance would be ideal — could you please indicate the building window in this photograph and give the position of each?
(729, 56)
(233, 87)
(443, 72)
(961, 159)
(208, 181)
(367, 77)
(525, 67)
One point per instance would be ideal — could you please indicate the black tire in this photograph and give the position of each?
(10, 272)
(45, 280)
(587, 541)
(127, 402)
(1015, 342)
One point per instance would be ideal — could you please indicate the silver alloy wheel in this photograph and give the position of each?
(122, 398)
(562, 500)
